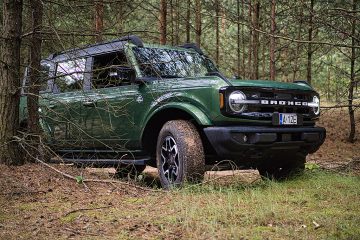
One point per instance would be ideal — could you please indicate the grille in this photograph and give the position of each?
(280, 109)
(279, 95)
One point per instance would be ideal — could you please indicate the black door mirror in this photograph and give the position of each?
(123, 74)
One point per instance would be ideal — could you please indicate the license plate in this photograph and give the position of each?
(288, 119)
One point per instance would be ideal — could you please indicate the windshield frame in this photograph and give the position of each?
(211, 67)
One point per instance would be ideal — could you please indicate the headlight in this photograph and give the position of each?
(236, 101)
(316, 105)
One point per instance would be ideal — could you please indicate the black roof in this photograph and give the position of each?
(105, 47)
(95, 49)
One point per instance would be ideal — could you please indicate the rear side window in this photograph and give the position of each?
(69, 75)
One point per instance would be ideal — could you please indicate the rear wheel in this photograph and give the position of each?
(179, 154)
(283, 169)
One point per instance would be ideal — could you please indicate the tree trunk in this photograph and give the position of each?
(352, 75)
(99, 20)
(177, 22)
(263, 58)
(328, 83)
(249, 73)
(188, 21)
(310, 38)
(243, 39)
(297, 52)
(238, 71)
(272, 41)
(10, 82)
(285, 59)
(162, 21)
(198, 22)
(337, 99)
(172, 27)
(36, 10)
(256, 42)
(119, 8)
(217, 30)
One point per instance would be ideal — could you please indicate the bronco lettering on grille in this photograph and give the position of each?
(284, 103)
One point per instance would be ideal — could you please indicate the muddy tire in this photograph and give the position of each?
(129, 170)
(179, 154)
(284, 169)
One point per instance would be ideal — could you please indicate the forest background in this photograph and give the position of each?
(313, 40)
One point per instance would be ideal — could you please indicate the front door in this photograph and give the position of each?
(109, 106)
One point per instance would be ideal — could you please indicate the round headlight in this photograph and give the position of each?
(236, 103)
(316, 105)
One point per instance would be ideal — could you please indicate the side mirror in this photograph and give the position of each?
(123, 74)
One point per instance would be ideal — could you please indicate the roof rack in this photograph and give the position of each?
(192, 46)
(131, 38)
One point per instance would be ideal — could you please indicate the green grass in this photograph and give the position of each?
(274, 210)
(264, 210)
(69, 218)
(215, 210)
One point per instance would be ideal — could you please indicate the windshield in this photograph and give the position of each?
(170, 63)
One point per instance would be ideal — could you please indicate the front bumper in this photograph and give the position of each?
(251, 142)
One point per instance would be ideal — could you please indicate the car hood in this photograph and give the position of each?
(270, 84)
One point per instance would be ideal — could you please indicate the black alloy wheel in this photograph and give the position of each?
(180, 155)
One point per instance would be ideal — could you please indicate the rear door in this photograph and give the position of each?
(62, 112)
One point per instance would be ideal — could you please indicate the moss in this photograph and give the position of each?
(28, 206)
(69, 218)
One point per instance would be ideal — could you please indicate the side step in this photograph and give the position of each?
(106, 162)
(102, 158)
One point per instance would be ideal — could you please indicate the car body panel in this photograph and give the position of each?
(114, 118)
(270, 84)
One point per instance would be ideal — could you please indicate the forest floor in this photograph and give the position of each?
(39, 203)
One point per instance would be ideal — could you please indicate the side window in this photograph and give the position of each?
(110, 70)
(69, 75)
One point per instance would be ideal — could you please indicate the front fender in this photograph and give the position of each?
(200, 117)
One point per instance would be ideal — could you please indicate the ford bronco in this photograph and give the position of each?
(128, 104)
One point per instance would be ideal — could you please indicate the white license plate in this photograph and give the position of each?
(288, 119)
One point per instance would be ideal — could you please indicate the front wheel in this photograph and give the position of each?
(284, 169)
(179, 154)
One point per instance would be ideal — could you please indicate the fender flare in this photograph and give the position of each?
(200, 117)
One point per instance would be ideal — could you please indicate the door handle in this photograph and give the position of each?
(89, 103)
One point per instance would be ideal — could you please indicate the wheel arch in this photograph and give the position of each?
(158, 118)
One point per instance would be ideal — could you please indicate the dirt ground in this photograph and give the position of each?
(37, 202)
(336, 149)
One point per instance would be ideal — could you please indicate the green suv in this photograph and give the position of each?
(127, 104)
